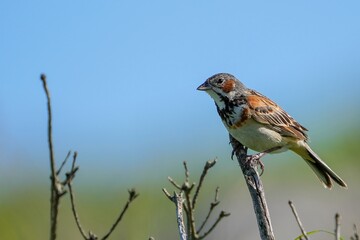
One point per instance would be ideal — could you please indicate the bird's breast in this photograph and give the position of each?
(257, 136)
(234, 116)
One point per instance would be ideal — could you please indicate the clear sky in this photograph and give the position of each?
(123, 74)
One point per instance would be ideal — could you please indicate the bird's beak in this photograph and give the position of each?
(204, 87)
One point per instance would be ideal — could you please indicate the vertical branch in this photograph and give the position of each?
(178, 200)
(187, 188)
(179, 215)
(337, 226)
(256, 190)
(54, 204)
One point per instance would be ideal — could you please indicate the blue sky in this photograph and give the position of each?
(123, 74)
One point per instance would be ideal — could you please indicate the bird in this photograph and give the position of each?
(260, 124)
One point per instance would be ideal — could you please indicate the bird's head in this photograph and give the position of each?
(222, 86)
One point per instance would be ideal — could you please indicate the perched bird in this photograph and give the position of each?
(261, 125)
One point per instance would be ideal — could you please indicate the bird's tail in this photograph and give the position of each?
(322, 171)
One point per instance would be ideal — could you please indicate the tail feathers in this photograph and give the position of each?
(322, 171)
(323, 176)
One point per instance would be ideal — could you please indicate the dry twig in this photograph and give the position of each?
(212, 207)
(302, 229)
(132, 195)
(178, 200)
(189, 203)
(91, 236)
(356, 234)
(58, 187)
(337, 226)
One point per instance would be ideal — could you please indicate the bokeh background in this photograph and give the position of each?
(123, 78)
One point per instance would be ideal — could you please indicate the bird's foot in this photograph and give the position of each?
(255, 160)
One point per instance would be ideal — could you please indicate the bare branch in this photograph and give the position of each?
(179, 214)
(298, 220)
(167, 194)
(187, 174)
(174, 183)
(190, 213)
(69, 178)
(208, 165)
(50, 141)
(188, 206)
(75, 214)
(178, 200)
(55, 189)
(63, 163)
(58, 187)
(221, 216)
(337, 226)
(356, 235)
(132, 196)
(256, 190)
(212, 207)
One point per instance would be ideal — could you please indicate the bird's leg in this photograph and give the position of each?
(256, 158)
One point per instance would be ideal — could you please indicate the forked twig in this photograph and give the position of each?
(69, 176)
(189, 204)
(220, 217)
(58, 187)
(208, 165)
(178, 200)
(212, 207)
(132, 195)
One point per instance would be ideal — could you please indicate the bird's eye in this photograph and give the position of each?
(220, 81)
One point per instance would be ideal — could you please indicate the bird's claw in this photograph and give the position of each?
(256, 160)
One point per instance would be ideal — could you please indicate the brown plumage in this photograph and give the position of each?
(260, 124)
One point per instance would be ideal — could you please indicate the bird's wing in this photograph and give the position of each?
(264, 110)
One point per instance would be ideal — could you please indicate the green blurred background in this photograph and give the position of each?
(123, 77)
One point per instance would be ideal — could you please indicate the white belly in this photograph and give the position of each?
(258, 138)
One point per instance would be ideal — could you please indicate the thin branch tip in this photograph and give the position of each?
(224, 214)
(167, 194)
(43, 77)
(297, 218)
(132, 194)
(211, 163)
